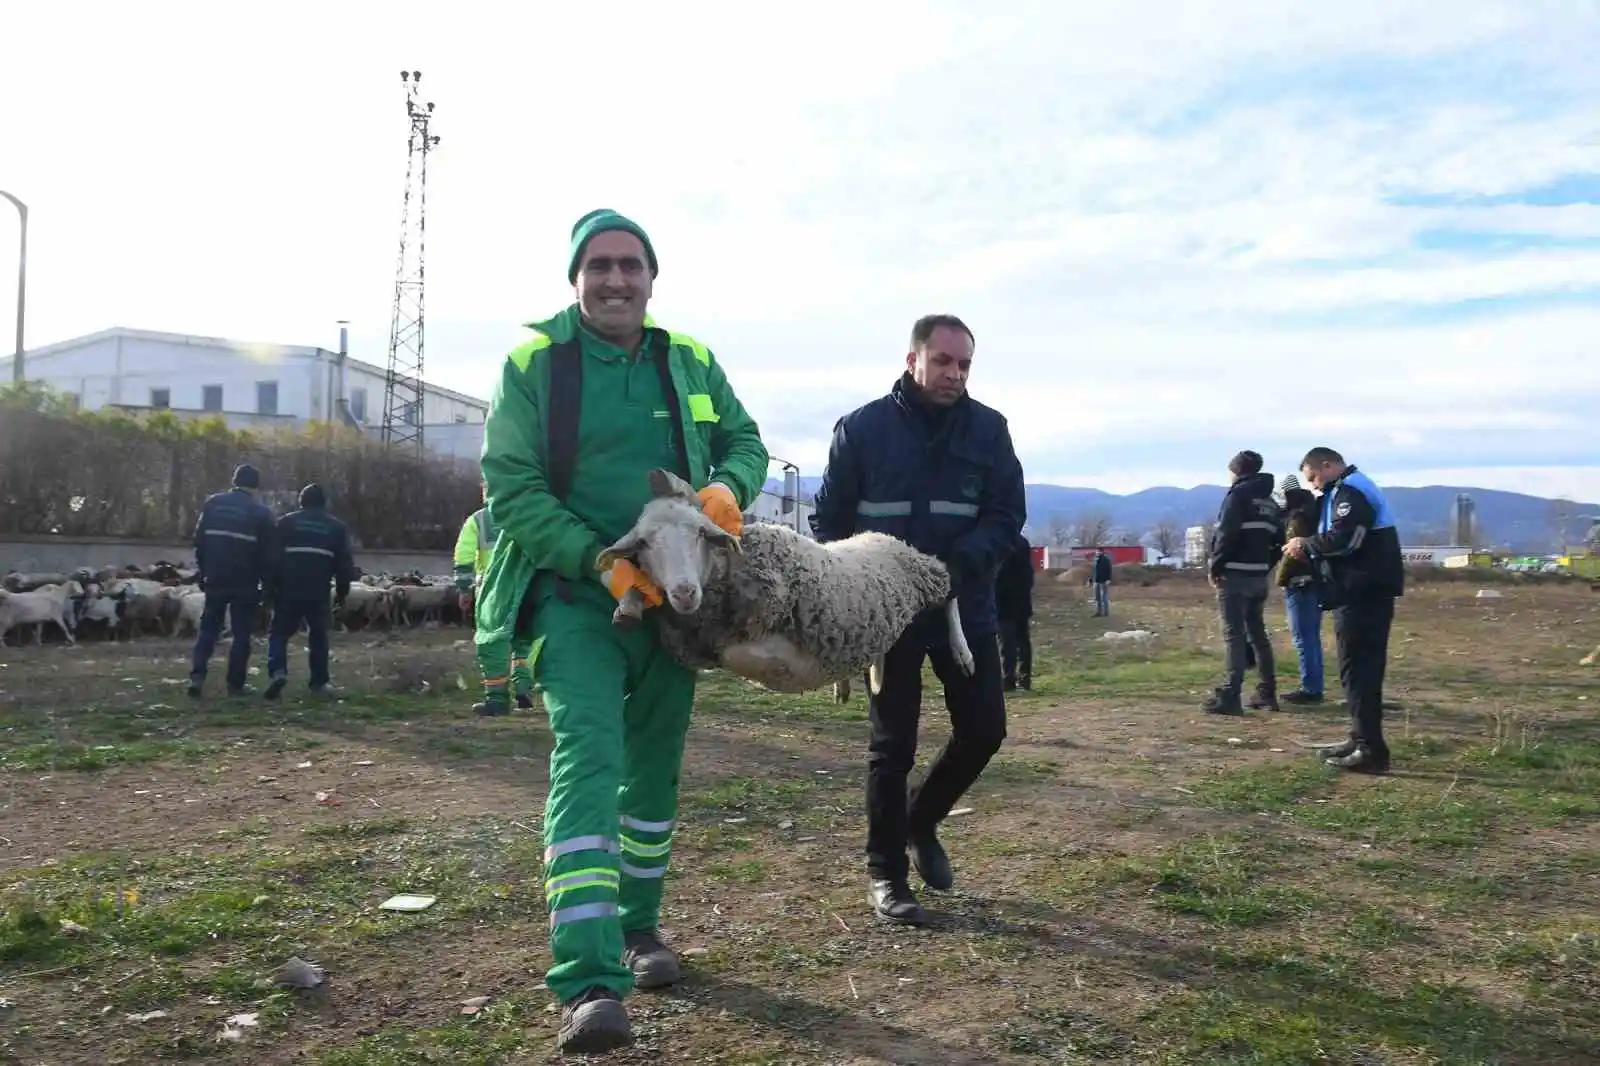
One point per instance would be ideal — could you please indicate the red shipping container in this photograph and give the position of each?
(1037, 552)
(1120, 554)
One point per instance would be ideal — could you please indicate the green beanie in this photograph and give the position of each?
(598, 221)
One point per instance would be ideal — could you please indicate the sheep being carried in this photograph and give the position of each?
(775, 607)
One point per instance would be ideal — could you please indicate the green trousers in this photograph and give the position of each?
(505, 662)
(618, 708)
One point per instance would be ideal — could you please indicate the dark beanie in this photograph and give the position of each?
(246, 476)
(599, 221)
(313, 496)
(1245, 464)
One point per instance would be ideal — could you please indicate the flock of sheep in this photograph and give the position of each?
(165, 599)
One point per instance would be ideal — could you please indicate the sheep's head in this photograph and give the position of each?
(674, 542)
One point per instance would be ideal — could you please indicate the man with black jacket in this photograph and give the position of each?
(1245, 546)
(1360, 573)
(313, 550)
(1297, 578)
(233, 553)
(1100, 574)
(1013, 599)
(935, 468)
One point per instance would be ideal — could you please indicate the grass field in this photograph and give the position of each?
(1136, 882)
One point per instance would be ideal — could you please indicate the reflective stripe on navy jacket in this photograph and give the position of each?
(314, 549)
(947, 482)
(233, 541)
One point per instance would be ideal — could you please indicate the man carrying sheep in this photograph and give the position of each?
(583, 412)
(934, 467)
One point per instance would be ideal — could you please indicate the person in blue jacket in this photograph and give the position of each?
(233, 552)
(313, 550)
(1360, 572)
(935, 468)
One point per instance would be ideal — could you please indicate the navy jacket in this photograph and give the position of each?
(946, 481)
(1357, 547)
(233, 543)
(313, 549)
(1102, 569)
(1248, 538)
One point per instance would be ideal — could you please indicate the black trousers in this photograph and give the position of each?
(977, 707)
(1361, 628)
(1244, 631)
(1016, 649)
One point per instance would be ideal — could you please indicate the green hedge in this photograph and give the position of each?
(144, 475)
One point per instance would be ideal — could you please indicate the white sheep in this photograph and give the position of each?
(773, 606)
(52, 604)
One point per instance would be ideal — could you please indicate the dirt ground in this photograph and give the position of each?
(1136, 882)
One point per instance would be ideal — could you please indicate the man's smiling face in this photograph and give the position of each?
(614, 284)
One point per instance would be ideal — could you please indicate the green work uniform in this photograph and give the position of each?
(474, 545)
(618, 705)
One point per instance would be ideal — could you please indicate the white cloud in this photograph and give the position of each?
(1170, 225)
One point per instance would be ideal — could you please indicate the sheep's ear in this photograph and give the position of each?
(721, 538)
(666, 483)
(626, 548)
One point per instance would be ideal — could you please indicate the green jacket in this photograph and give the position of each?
(609, 485)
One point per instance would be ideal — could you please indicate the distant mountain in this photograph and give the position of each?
(1505, 519)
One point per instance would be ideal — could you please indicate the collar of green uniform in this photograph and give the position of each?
(568, 323)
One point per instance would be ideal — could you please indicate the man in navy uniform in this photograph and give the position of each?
(935, 468)
(313, 550)
(1360, 573)
(233, 553)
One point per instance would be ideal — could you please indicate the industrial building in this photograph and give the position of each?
(250, 385)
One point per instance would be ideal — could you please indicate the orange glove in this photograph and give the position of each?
(719, 504)
(623, 575)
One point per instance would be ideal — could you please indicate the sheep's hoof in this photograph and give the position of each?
(841, 691)
(625, 619)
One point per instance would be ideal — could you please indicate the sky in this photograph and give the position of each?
(1176, 229)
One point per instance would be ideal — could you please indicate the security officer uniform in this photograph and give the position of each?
(1360, 573)
(1245, 545)
(947, 482)
(233, 554)
(1013, 595)
(313, 549)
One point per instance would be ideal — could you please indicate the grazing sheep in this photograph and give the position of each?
(773, 606)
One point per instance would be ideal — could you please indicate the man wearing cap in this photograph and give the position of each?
(643, 397)
(233, 553)
(313, 550)
(499, 662)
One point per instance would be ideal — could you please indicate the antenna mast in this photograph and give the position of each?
(402, 398)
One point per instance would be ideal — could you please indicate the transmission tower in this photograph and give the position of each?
(402, 394)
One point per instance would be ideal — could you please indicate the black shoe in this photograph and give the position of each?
(1361, 760)
(275, 688)
(1223, 702)
(928, 856)
(239, 691)
(195, 685)
(1264, 700)
(1025, 683)
(1009, 684)
(654, 965)
(594, 1021)
(525, 701)
(492, 708)
(895, 901)
(1301, 696)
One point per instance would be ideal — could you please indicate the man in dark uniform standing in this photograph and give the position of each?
(313, 549)
(1245, 545)
(233, 554)
(935, 468)
(1013, 598)
(1360, 573)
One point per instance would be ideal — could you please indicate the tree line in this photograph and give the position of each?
(144, 475)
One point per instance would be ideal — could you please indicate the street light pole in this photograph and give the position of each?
(17, 374)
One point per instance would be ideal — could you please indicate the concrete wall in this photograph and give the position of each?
(64, 554)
